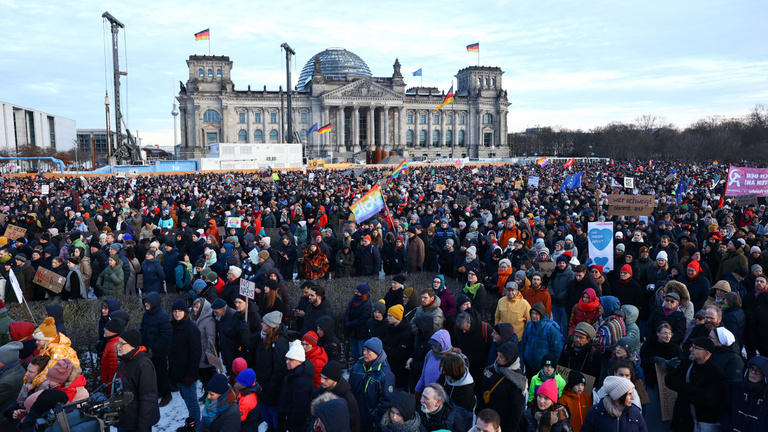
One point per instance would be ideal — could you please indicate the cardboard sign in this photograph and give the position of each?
(498, 180)
(667, 396)
(247, 288)
(3, 218)
(45, 189)
(631, 205)
(588, 385)
(214, 361)
(746, 200)
(12, 232)
(518, 184)
(15, 285)
(49, 280)
(439, 188)
(547, 268)
(629, 182)
(640, 391)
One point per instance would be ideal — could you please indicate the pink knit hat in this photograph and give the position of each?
(239, 365)
(549, 389)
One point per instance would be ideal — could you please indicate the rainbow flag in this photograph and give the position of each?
(368, 205)
(542, 162)
(203, 35)
(475, 47)
(715, 163)
(403, 165)
(448, 99)
(324, 129)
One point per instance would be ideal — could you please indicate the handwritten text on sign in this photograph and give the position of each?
(49, 280)
(247, 289)
(631, 205)
(12, 232)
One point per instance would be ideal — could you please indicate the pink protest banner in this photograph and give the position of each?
(746, 181)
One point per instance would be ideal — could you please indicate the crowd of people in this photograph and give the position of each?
(520, 346)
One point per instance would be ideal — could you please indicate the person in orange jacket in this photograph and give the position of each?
(247, 390)
(576, 399)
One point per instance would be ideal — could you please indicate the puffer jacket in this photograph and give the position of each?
(154, 276)
(589, 312)
(558, 416)
(431, 369)
(294, 405)
(434, 312)
(373, 387)
(535, 344)
(109, 360)
(744, 404)
(578, 404)
(111, 281)
(207, 326)
(156, 330)
(58, 348)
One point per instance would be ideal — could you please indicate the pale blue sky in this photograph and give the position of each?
(570, 64)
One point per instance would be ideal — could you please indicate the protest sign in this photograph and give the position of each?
(214, 361)
(233, 222)
(667, 396)
(631, 205)
(641, 392)
(439, 188)
(45, 189)
(3, 217)
(247, 288)
(745, 181)
(518, 184)
(12, 232)
(547, 268)
(15, 285)
(498, 180)
(747, 200)
(629, 182)
(254, 255)
(588, 385)
(600, 236)
(533, 181)
(49, 280)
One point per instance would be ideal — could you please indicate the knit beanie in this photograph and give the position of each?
(296, 352)
(363, 288)
(218, 384)
(561, 258)
(616, 387)
(540, 309)
(199, 285)
(332, 371)
(380, 306)
(520, 275)
(575, 378)
(661, 255)
(212, 276)
(311, 338)
(247, 377)
(179, 305)
(47, 400)
(264, 255)
(549, 389)
(626, 268)
(397, 312)
(239, 365)
(273, 319)
(132, 337)
(115, 325)
(46, 330)
(60, 371)
(218, 304)
(9, 352)
(399, 278)
(374, 344)
(586, 329)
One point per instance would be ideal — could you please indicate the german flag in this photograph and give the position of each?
(475, 47)
(203, 35)
(448, 99)
(324, 129)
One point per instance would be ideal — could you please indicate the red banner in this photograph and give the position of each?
(746, 181)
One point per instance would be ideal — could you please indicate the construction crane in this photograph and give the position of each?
(126, 147)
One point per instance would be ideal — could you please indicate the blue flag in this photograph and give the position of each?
(312, 129)
(680, 192)
(573, 181)
(417, 73)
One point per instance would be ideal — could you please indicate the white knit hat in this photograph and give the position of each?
(616, 387)
(725, 336)
(661, 255)
(296, 352)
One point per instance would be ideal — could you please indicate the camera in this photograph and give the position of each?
(93, 414)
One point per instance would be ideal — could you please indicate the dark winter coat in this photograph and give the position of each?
(508, 398)
(137, 374)
(11, 380)
(156, 330)
(373, 387)
(728, 360)
(230, 291)
(170, 261)
(231, 334)
(447, 418)
(475, 343)
(698, 289)
(676, 320)
(343, 390)
(311, 315)
(154, 276)
(270, 362)
(355, 319)
(293, 409)
(369, 261)
(744, 405)
(598, 420)
(587, 360)
(735, 320)
(649, 352)
(398, 344)
(227, 421)
(186, 350)
(705, 391)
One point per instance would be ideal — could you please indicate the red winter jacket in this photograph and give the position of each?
(109, 361)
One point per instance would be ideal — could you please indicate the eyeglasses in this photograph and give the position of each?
(665, 334)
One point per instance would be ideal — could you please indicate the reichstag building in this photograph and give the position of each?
(336, 87)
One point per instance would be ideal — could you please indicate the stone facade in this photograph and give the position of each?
(364, 112)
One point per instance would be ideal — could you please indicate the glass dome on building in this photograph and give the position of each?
(336, 63)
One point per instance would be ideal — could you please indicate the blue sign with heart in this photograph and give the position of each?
(603, 261)
(600, 238)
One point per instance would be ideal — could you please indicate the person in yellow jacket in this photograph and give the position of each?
(53, 344)
(513, 309)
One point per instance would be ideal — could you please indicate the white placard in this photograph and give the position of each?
(600, 236)
(233, 222)
(45, 189)
(533, 181)
(247, 288)
(629, 182)
(254, 255)
(16, 286)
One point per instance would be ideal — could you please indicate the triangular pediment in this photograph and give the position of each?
(362, 89)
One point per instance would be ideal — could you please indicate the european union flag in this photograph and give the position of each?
(312, 129)
(680, 192)
(417, 73)
(573, 181)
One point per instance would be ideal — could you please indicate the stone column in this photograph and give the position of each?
(248, 132)
(355, 128)
(385, 130)
(264, 131)
(340, 124)
(402, 116)
(443, 129)
(371, 127)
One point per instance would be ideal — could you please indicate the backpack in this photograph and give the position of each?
(463, 415)
(545, 339)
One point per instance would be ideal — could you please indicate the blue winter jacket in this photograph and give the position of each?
(373, 387)
(535, 344)
(598, 420)
(154, 276)
(745, 410)
(156, 330)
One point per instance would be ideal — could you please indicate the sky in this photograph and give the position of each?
(575, 65)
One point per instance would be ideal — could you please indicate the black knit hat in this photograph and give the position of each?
(332, 370)
(132, 337)
(575, 378)
(115, 326)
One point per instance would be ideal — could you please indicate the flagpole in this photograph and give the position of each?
(454, 136)
(209, 42)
